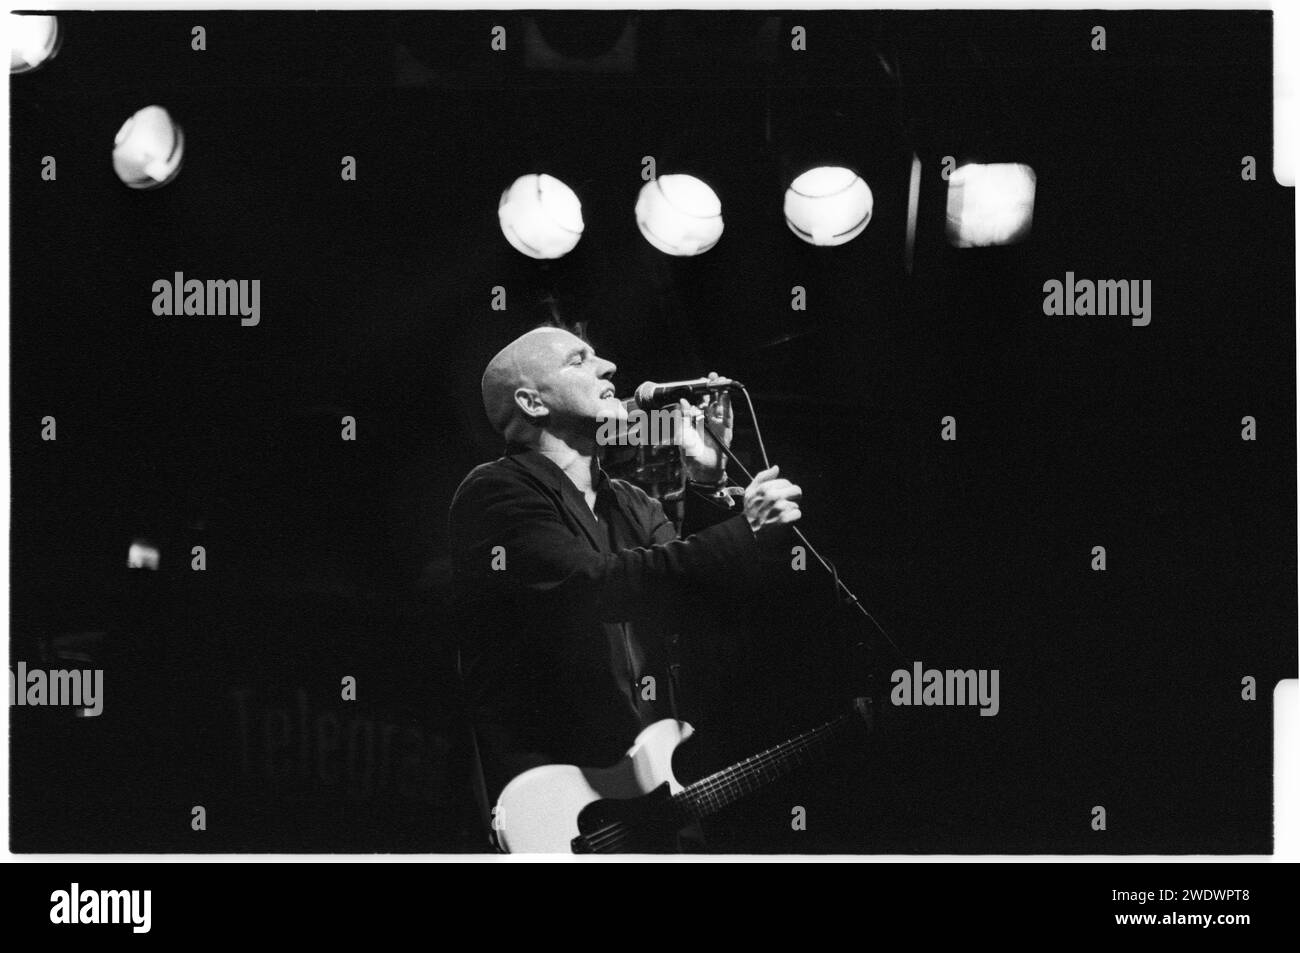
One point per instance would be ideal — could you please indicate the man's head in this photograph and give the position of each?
(548, 379)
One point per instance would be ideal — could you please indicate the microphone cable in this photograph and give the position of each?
(849, 596)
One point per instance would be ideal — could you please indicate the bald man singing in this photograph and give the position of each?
(570, 584)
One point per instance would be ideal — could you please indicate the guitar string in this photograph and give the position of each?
(722, 782)
(711, 788)
(601, 839)
(735, 776)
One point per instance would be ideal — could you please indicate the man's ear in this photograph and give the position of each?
(530, 402)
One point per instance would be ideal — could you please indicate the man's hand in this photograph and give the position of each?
(701, 458)
(771, 501)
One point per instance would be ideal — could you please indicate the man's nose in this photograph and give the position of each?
(608, 368)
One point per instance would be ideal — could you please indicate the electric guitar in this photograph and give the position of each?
(637, 805)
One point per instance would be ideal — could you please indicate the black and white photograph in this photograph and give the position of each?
(679, 433)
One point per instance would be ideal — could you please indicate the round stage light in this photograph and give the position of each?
(990, 204)
(829, 205)
(148, 149)
(142, 555)
(33, 41)
(679, 215)
(540, 216)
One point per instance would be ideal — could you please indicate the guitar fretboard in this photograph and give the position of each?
(712, 793)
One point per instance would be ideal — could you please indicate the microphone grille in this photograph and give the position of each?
(645, 395)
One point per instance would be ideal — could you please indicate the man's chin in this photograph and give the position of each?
(611, 408)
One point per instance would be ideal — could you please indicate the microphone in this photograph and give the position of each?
(651, 395)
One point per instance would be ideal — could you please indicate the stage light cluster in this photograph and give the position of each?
(678, 214)
(681, 215)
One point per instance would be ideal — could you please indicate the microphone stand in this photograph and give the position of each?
(843, 593)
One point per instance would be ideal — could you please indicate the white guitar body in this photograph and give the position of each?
(538, 811)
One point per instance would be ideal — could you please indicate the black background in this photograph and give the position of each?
(326, 558)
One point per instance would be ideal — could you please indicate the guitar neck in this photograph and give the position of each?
(721, 788)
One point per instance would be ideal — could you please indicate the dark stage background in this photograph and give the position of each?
(327, 558)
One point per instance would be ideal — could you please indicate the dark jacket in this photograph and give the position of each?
(562, 626)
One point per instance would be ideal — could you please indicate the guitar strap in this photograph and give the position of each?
(674, 675)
